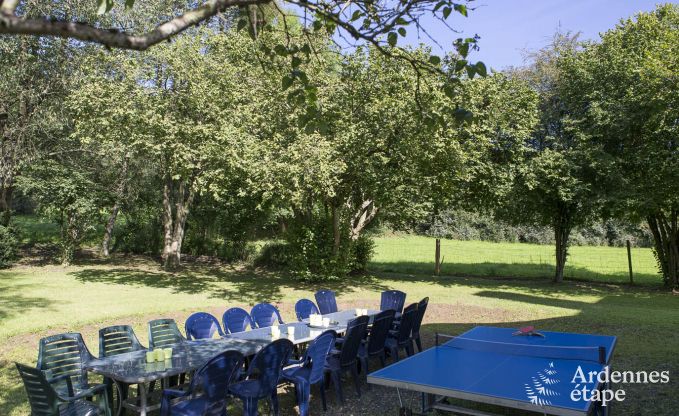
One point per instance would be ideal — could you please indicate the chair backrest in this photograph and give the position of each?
(304, 308)
(325, 299)
(65, 354)
(407, 321)
(421, 309)
(318, 353)
(202, 325)
(164, 332)
(392, 299)
(265, 314)
(267, 365)
(118, 339)
(214, 377)
(41, 396)
(356, 329)
(236, 320)
(380, 331)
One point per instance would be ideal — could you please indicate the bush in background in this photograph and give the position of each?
(9, 245)
(464, 225)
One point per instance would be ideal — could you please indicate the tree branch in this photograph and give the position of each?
(12, 24)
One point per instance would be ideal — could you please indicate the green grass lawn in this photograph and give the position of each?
(415, 254)
(37, 301)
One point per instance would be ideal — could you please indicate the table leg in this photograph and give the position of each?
(119, 410)
(142, 399)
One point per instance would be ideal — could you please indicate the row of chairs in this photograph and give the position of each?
(62, 358)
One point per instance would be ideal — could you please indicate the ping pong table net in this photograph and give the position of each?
(594, 354)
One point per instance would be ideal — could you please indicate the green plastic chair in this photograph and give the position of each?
(65, 355)
(164, 332)
(46, 401)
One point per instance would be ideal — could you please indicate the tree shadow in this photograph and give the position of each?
(233, 284)
(13, 302)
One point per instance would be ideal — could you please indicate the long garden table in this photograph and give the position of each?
(132, 368)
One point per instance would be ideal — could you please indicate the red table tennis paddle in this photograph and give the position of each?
(528, 331)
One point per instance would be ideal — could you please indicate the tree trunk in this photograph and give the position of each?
(108, 231)
(120, 193)
(335, 231)
(167, 220)
(666, 245)
(362, 218)
(562, 231)
(6, 205)
(174, 222)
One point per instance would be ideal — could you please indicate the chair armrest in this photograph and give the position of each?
(92, 391)
(166, 400)
(296, 362)
(55, 379)
(172, 393)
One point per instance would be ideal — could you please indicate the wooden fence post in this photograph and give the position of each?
(629, 263)
(437, 267)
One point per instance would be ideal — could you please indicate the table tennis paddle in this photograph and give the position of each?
(527, 331)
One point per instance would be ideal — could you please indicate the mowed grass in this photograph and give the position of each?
(38, 301)
(415, 254)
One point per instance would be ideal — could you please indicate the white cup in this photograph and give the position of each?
(275, 332)
(358, 312)
(291, 331)
(326, 322)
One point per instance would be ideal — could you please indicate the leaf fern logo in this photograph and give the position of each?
(538, 391)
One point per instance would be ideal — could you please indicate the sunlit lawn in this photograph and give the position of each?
(37, 301)
(415, 254)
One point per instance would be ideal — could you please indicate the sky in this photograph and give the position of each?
(509, 27)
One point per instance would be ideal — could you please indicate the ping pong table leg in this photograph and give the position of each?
(427, 402)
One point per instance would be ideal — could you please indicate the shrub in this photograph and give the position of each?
(273, 254)
(363, 250)
(9, 245)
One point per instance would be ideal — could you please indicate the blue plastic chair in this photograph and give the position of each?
(212, 380)
(400, 338)
(393, 299)
(326, 301)
(202, 325)
(304, 308)
(65, 356)
(261, 379)
(374, 347)
(347, 358)
(415, 333)
(310, 370)
(46, 401)
(265, 314)
(236, 320)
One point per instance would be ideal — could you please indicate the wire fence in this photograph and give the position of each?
(415, 254)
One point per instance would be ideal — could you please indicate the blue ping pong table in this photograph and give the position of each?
(492, 366)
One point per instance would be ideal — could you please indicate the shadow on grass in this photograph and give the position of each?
(229, 283)
(13, 302)
(516, 270)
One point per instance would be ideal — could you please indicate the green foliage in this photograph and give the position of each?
(363, 251)
(66, 196)
(475, 226)
(9, 245)
(139, 233)
(624, 98)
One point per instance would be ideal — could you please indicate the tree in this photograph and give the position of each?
(556, 181)
(624, 95)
